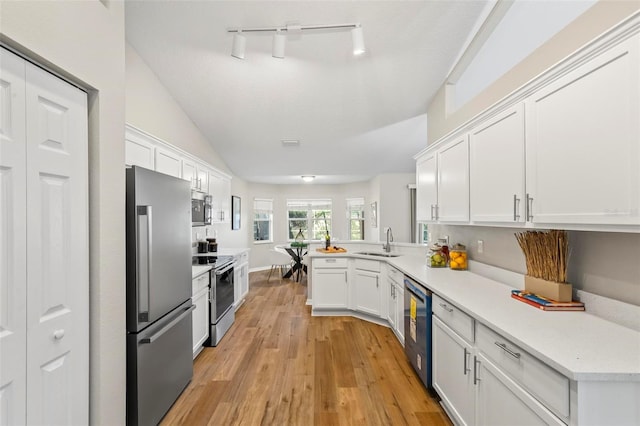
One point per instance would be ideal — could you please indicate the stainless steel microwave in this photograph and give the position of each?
(200, 209)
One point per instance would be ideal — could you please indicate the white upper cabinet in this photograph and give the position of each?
(583, 143)
(202, 176)
(426, 187)
(139, 152)
(453, 181)
(497, 168)
(220, 190)
(189, 172)
(168, 162)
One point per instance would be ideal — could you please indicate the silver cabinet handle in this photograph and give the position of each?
(529, 208)
(168, 327)
(445, 307)
(516, 208)
(345, 277)
(58, 334)
(330, 260)
(377, 281)
(432, 206)
(144, 260)
(504, 347)
(466, 366)
(476, 379)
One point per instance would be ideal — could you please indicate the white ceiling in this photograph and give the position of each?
(355, 116)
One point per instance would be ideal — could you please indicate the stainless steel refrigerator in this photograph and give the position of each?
(159, 348)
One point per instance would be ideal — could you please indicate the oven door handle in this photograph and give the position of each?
(222, 271)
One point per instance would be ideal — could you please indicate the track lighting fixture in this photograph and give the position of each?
(280, 38)
(239, 43)
(279, 41)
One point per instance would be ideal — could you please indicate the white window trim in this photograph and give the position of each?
(268, 201)
(309, 203)
(359, 201)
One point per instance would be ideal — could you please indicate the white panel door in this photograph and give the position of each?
(202, 177)
(583, 150)
(399, 293)
(497, 168)
(426, 187)
(189, 173)
(453, 182)
(200, 319)
(57, 236)
(168, 162)
(330, 288)
(13, 231)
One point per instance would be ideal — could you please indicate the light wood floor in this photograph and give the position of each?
(278, 365)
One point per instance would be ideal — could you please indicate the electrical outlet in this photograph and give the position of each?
(480, 246)
(198, 236)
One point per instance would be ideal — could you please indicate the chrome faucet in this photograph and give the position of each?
(387, 246)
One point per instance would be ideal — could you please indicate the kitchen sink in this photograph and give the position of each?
(377, 253)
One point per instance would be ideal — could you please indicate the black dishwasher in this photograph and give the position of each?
(417, 328)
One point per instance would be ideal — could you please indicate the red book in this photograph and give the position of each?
(547, 308)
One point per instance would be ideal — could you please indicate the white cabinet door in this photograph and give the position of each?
(168, 162)
(13, 231)
(497, 168)
(502, 402)
(583, 155)
(244, 279)
(399, 294)
(139, 152)
(366, 292)
(189, 173)
(58, 279)
(453, 372)
(200, 319)
(392, 315)
(330, 288)
(426, 187)
(453, 181)
(202, 178)
(220, 190)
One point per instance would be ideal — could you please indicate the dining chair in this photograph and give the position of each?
(279, 260)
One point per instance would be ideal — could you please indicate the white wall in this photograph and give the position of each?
(84, 41)
(394, 206)
(600, 262)
(150, 107)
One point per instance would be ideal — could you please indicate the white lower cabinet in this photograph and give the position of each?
(330, 280)
(484, 379)
(366, 289)
(200, 315)
(200, 319)
(241, 278)
(453, 372)
(395, 315)
(502, 402)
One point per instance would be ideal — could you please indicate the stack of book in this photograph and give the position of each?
(544, 303)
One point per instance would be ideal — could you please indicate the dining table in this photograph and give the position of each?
(297, 252)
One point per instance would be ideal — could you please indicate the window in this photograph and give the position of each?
(355, 215)
(262, 220)
(311, 217)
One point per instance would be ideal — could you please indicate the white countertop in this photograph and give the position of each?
(197, 270)
(579, 345)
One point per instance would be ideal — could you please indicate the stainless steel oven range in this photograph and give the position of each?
(221, 299)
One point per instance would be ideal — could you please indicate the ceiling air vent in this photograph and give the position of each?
(290, 142)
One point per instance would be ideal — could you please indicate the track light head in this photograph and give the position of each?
(358, 40)
(279, 43)
(239, 44)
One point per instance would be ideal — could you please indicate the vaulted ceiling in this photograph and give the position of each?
(355, 116)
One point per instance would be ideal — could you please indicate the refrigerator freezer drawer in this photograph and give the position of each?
(159, 366)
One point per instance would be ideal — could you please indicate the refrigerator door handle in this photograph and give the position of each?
(159, 333)
(144, 261)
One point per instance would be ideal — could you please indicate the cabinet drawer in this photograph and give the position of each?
(367, 265)
(395, 275)
(457, 320)
(330, 262)
(199, 283)
(544, 383)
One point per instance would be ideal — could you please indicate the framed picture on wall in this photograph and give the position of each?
(374, 214)
(235, 212)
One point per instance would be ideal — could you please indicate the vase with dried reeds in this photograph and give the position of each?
(546, 255)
